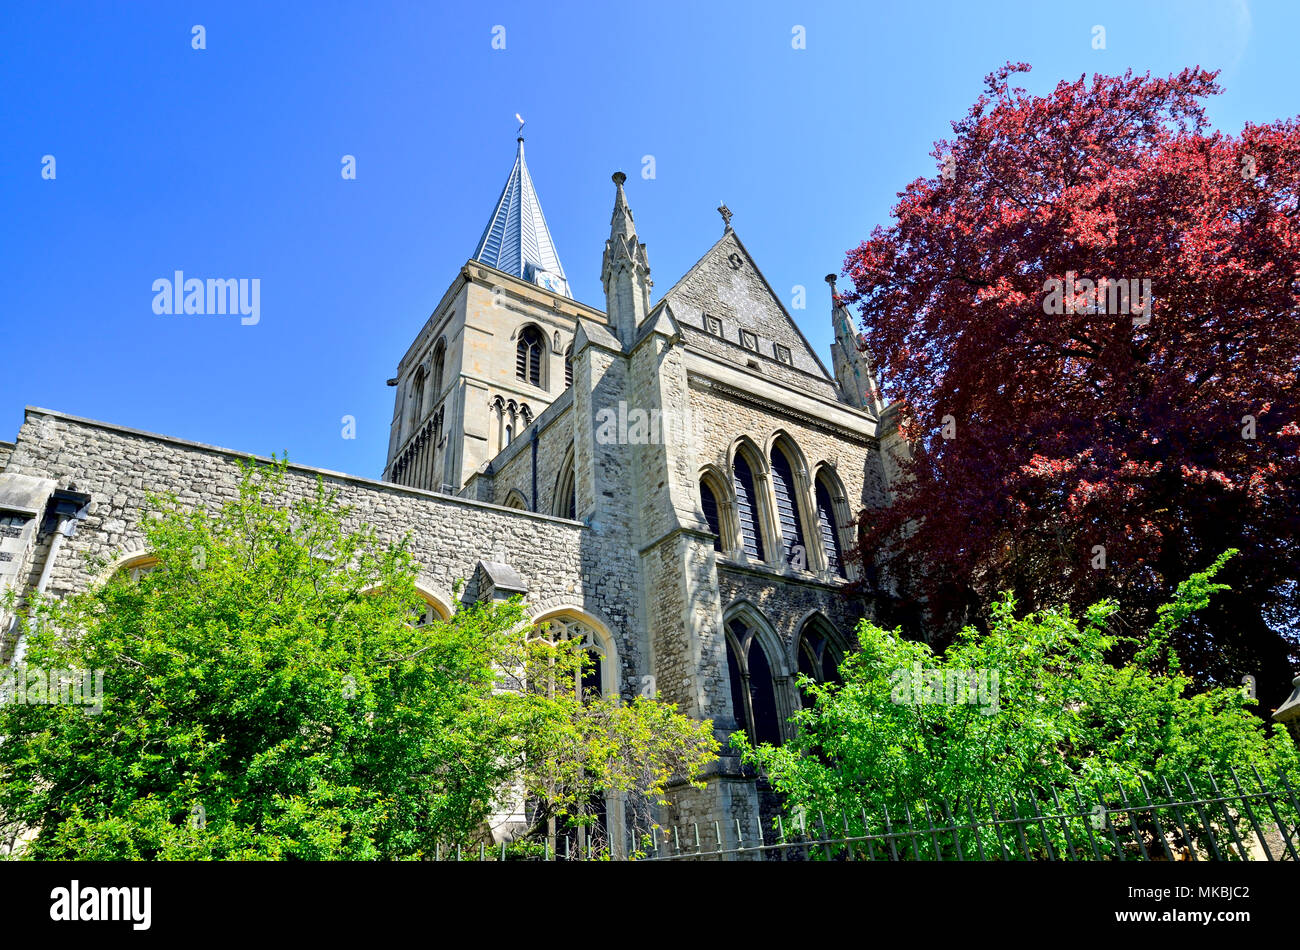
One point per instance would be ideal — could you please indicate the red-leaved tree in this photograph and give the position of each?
(1074, 437)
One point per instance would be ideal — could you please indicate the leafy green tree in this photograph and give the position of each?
(266, 695)
(1030, 708)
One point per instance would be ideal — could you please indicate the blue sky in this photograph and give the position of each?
(225, 162)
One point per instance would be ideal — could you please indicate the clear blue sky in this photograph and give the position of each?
(225, 162)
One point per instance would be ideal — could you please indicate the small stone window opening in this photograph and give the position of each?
(528, 355)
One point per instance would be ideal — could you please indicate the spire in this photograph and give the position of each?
(852, 359)
(516, 239)
(625, 270)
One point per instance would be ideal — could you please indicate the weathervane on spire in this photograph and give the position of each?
(726, 215)
(519, 136)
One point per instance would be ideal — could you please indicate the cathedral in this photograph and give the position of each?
(674, 478)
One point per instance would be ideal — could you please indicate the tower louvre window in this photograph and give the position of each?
(747, 508)
(439, 362)
(787, 508)
(709, 502)
(829, 530)
(568, 367)
(416, 408)
(528, 355)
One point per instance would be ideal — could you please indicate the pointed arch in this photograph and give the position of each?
(564, 503)
(568, 366)
(718, 504)
(834, 518)
(437, 607)
(749, 483)
(437, 366)
(572, 621)
(530, 355)
(415, 401)
(603, 679)
(516, 500)
(792, 508)
(759, 674)
(820, 649)
(133, 565)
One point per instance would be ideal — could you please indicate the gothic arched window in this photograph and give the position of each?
(565, 504)
(590, 681)
(820, 654)
(709, 502)
(753, 688)
(829, 526)
(137, 567)
(570, 837)
(787, 510)
(568, 367)
(439, 363)
(416, 400)
(751, 535)
(528, 355)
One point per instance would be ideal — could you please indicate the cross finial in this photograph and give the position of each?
(726, 216)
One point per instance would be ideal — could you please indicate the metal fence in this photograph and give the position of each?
(1184, 821)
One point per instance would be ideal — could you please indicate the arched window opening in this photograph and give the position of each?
(439, 362)
(431, 613)
(428, 612)
(416, 401)
(787, 510)
(753, 688)
(819, 654)
(568, 367)
(516, 500)
(747, 508)
(577, 836)
(510, 434)
(588, 683)
(709, 502)
(829, 529)
(138, 567)
(528, 355)
(565, 503)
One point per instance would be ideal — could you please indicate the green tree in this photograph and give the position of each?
(1031, 707)
(267, 696)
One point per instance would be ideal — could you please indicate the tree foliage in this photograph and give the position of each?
(266, 695)
(1059, 716)
(1164, 433)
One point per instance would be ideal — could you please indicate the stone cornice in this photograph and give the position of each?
(736, 394)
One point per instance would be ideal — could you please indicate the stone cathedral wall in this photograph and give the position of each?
(118, 467)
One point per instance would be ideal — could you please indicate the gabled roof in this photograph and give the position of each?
(742, 295)
(516, 239)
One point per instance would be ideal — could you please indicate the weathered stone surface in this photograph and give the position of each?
(638, 563)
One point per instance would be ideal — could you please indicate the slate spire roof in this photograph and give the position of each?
(516, 239)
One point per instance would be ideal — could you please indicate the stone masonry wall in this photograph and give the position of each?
(118, 466)
(719, 420)
(513, 468)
